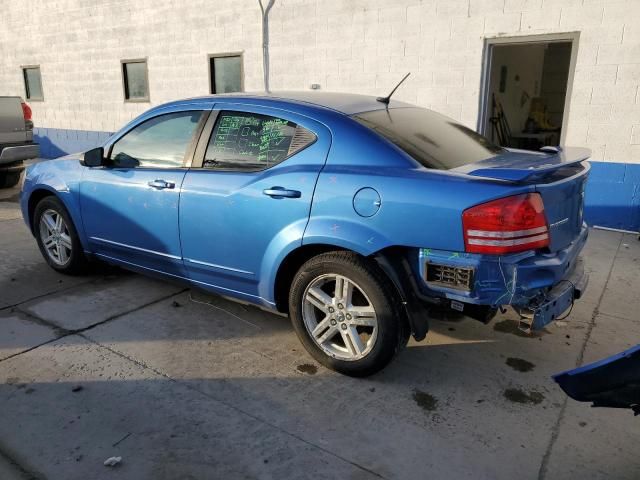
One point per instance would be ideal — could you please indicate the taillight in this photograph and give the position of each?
(26, 111)
(507, 225)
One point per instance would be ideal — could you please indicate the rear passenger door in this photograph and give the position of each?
(247, 196)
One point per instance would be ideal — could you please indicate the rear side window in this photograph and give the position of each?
(430, 138)
(160, 142)
(250, 141)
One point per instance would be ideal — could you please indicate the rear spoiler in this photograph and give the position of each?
(520, 165)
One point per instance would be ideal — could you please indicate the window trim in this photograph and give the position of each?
(191, 148)
(24, 69)
(210, 64)
(123, 75)
(207, 132)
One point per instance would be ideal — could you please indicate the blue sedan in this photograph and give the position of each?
(358, 217)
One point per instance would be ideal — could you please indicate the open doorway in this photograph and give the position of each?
(525, 90)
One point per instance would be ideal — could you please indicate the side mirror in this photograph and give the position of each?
(93, 157)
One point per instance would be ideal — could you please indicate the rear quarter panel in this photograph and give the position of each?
(419, 207)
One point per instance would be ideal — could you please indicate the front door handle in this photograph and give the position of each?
(161, 184)
(281, 192)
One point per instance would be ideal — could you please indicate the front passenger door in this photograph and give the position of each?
(130, 207)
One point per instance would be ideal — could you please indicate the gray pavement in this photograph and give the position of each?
(184, 385)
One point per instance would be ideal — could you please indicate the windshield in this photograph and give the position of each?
(430, 138)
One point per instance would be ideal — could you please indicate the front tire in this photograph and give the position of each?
(345, 313)
(57, 237)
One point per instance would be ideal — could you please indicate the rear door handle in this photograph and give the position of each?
(161, 184)
(281, 192)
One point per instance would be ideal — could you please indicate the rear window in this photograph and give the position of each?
(430, 138)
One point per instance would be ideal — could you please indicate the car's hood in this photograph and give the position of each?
(71, 156)
(55, 161)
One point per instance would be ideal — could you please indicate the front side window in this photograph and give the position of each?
(160, 142)
(135, 80)
(225, 73)
(432, 139)
(250, 141)
(32, 83)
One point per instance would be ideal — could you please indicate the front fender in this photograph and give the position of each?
(60, 177)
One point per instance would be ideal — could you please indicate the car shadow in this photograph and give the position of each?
(229, 393)
(228, 386)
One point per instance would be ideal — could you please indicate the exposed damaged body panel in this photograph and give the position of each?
(611, 382)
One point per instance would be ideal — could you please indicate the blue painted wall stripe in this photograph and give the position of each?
(55, 142)
(612, 197)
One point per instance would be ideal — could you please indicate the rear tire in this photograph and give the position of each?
(58, 238)
(345, 313)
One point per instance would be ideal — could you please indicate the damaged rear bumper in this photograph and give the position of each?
(544, 285)
(560, 298)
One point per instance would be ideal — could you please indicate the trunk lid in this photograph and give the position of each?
(559, 175)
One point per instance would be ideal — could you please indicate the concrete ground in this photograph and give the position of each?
(187, 386)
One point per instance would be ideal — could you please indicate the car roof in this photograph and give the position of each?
(346, 103)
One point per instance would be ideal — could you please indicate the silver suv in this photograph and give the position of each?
(16, 139)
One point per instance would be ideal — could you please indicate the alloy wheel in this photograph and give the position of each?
(55, 237)
(339, 317)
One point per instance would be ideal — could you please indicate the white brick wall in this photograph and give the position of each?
(345, 45)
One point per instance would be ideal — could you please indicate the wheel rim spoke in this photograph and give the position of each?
(364, 316)
(343, 290)
(49, 222)
(319, 299)
(327, 335)
(364, 321)
(62, 254)
(356, 339)
(352, 341)
(49, 242)
(321, 327)
(65, 241)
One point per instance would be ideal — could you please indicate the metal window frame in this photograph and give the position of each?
(207, 134)
(25, 83)
(189, 153)
(484, 108)
(125, 87)
(214, 125)
(211, 67)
